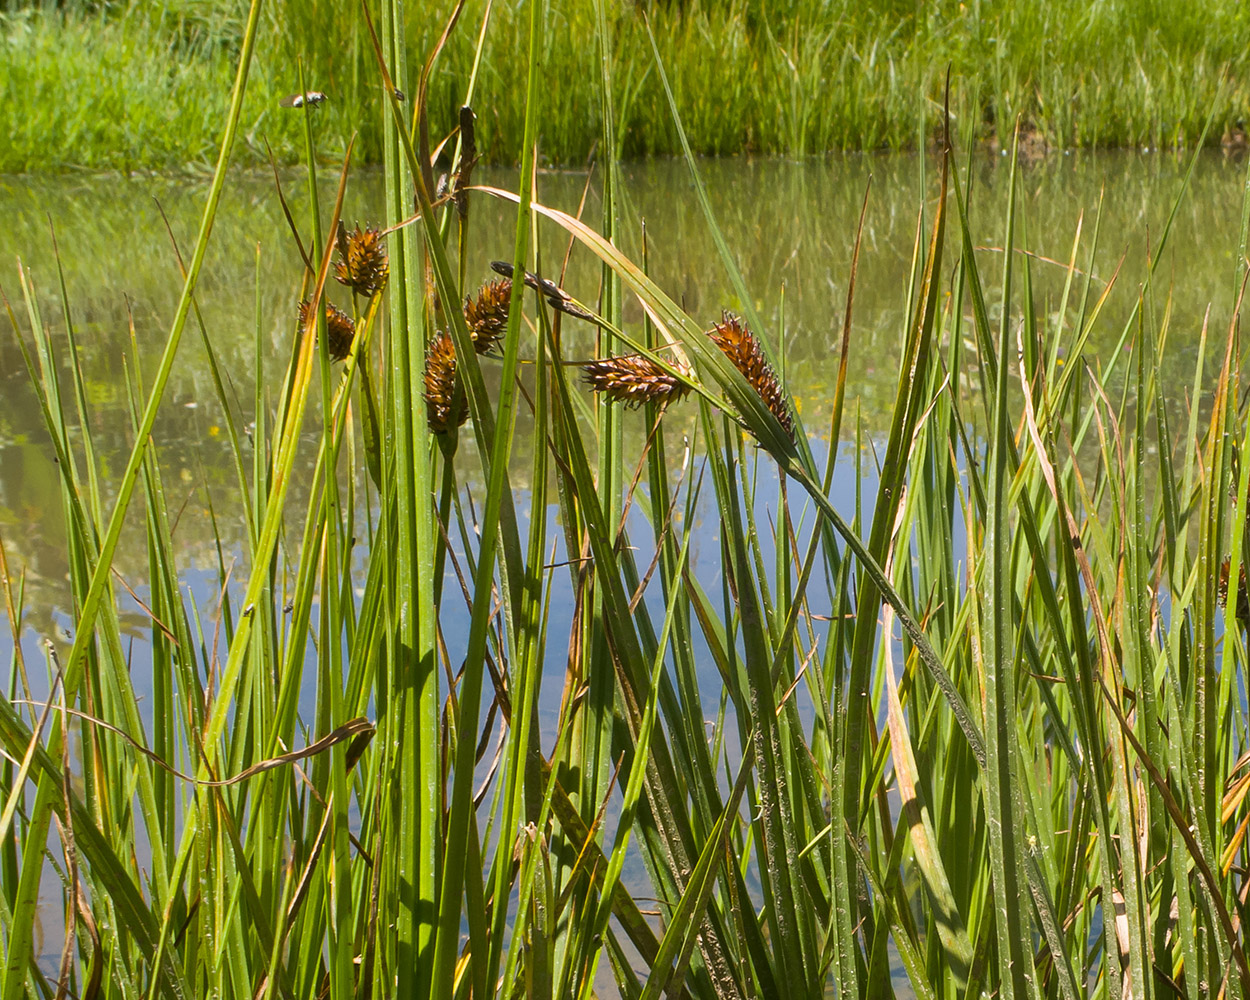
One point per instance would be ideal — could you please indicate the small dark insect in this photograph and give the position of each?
(247, 612)
(399, 95)
(288, 607)
(556, 296)
(311, 98)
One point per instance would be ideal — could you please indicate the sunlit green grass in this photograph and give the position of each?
(142, 85)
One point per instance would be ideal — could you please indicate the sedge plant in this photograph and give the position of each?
(982, 733)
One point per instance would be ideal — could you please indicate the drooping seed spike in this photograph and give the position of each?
(340, 329)
(362, 265)
(444, 407)
(487, 314)
(739, 345)
(633, 380)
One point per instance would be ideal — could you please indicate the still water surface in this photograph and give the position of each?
(792, 226)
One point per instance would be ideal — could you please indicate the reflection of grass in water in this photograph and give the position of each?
(813, 795)
(788, 223)
(143, 86)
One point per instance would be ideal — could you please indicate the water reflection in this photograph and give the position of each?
(791, 225)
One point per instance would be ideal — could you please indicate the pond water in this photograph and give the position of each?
(792, 226)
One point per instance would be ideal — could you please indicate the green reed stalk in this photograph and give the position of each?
(411, 689)
(596, 761)
(1011, 925)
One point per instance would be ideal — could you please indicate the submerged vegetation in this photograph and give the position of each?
(982, 730)
(139, 85)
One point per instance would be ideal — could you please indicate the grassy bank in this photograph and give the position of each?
(143, 85)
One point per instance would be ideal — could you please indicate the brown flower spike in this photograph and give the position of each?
(442, 408)
(1243, 597)
(633, 380)
(739, 345)
(487, 315)
(362, 265)
(340, 330)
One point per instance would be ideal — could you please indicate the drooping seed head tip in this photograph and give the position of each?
(633, 380)
(445, 407)
(362, 265)
(738, 344)
(486, 314)
(340, 329)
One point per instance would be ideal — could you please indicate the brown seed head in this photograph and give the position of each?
(739, 345)
(362, 265)
(632, 380)
(340, 330)
(1243, 597)
(442, 408)
(487, 315)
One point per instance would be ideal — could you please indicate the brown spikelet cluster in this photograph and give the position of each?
(487, 314)
(442, 407)
(362, 265)
(1243, 596)
(633, 380)
(739, 345)
(340, 330)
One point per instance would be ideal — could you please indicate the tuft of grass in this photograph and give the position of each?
(132, 86)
